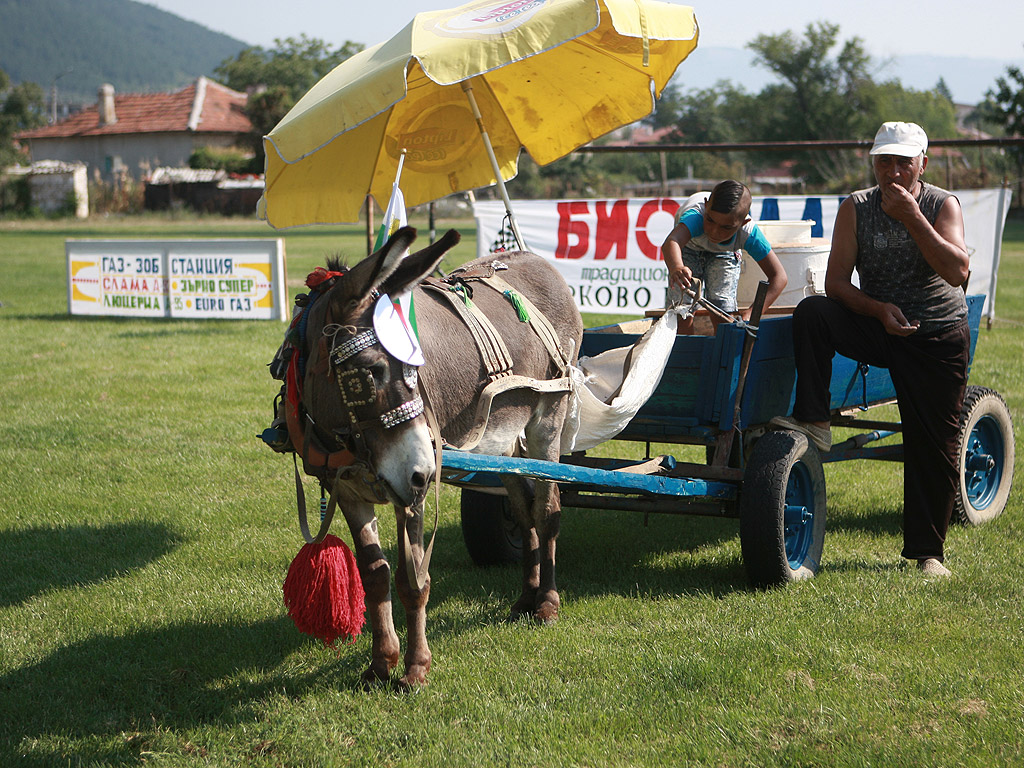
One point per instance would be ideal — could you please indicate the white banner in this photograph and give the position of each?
(231, 279)
(608, 251)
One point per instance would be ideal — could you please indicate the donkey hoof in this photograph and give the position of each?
(413, 679)
(374, 677)
(546, 614)
(546, 611)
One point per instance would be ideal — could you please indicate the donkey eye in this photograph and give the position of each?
(379, 370)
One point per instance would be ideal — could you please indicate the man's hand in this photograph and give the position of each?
(898, 203)
(895, 323)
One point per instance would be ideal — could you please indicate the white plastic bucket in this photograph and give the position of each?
(779, 232)
(805, 265)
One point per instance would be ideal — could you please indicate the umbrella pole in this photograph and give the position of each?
(468, 88)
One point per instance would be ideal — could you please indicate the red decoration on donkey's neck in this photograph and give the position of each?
(323, 592)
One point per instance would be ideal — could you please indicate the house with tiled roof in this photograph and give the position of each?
(139, 132)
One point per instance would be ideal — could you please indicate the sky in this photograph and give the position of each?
(888, 28)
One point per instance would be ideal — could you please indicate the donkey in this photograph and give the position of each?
(389, 436)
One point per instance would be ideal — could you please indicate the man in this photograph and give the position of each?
(906, 239)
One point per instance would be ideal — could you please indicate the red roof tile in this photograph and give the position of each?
(218, 109)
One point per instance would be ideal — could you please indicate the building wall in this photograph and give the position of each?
(52, 192)
(134, 154)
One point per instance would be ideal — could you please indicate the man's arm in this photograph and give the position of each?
(943, 245)
(839, 276)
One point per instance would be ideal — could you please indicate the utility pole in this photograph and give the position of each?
(53, 95)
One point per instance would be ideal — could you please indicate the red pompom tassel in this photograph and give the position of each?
(323, 592)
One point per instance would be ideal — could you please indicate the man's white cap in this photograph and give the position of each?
(903, 139)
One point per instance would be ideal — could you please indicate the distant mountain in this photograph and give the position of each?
(85, 43)
(967, 78)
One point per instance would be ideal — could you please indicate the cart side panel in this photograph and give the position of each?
(975, 305)
(771, 377)
(680, 399)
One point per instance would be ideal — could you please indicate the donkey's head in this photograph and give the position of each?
(356, 391)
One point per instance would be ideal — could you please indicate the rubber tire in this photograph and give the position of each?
(784, 466)
(986, 429)
(489, 529)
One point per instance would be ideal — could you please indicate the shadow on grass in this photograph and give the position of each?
(877, 521)
(34, 560)
(600, 554)
(108, 693)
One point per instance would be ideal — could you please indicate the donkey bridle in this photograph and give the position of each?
(358, 390)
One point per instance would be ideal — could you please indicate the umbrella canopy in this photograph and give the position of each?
(548, 76)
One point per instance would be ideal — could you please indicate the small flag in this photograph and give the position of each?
(394, 217)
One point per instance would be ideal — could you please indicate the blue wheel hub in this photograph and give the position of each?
(982, 471)
(798, 519)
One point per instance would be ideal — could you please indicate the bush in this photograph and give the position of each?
(14, 195)
(123, 195)
(230, 159)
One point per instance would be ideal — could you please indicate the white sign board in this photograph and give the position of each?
(193, 279)
(609, 253)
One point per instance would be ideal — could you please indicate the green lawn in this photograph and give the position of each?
(145, 534)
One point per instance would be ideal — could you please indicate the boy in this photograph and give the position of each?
(706, 241)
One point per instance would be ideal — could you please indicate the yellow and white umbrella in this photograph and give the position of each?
(462, 91)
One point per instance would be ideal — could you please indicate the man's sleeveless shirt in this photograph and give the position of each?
(890, 265)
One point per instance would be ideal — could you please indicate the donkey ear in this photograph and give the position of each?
(369, 274)
(415, 267)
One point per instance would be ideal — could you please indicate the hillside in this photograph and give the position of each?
(135, 47)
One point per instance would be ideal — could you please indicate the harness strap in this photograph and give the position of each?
(302, 439)
(300, 497)
(418, 575)
(497, 387)
(538, 321)
(496, 357)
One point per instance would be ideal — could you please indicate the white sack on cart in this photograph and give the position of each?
(612, 386)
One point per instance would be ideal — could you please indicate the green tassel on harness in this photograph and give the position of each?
(460, 290)
(517, 302)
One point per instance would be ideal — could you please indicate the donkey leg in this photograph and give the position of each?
(520, 496)
(410, 551)
(547, 512)
(543, 436)
(376, 576)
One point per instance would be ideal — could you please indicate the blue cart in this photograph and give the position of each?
(720, 392)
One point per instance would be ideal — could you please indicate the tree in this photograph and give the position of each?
(1004, 104)
(942, 89)
(277, 78)
(715, 115)
(1004, 108)
(821, 96)
(22, 107)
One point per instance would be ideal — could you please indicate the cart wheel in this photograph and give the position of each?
(986, 456)
(782, 510)
(489, 529)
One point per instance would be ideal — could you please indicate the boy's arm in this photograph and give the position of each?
(672, 253)
(777, 280)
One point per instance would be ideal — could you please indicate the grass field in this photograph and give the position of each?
(145, 533)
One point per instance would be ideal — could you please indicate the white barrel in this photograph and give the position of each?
(805, 265)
